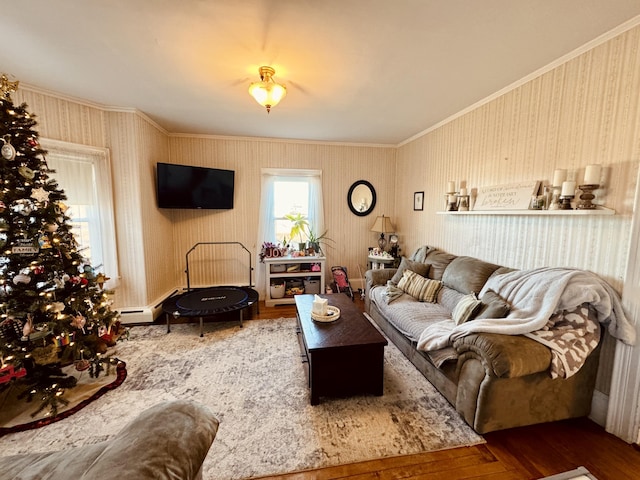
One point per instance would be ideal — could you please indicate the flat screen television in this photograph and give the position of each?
(183, 186)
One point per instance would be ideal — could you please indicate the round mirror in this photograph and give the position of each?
(361, 198)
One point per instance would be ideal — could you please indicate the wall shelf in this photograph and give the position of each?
(597, 211)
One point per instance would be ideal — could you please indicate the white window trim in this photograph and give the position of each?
(102, 163)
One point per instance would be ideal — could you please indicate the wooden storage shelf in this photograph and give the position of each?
(299, 274)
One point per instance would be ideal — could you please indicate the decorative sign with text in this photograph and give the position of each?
(514, 196)
(25, 247)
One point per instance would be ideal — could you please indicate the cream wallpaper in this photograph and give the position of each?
(584, 111)
(341, 165)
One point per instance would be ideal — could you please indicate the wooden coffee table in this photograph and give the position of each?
(343, 357)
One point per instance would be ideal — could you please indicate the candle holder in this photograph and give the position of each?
(586, 197)
(555, 198)
(463, 203)
(450, 202)
(565, 202)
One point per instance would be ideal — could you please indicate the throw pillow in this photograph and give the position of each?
(493, 306)
(465, 308)
(406, 264)
(420, 288)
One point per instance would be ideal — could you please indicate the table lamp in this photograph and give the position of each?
(382, 225)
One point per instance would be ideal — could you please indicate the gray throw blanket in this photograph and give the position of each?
(535, 296)
(392, 292)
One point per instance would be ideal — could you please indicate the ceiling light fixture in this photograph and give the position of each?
(267, 92)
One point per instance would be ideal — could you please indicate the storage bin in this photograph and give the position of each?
(277, 290)
(294, 286)
(311, 285)
(278, 267)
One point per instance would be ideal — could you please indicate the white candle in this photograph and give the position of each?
(559, 176)
(592, 175)
(568, 189)
(451, 187)
(452, 199)
(463, 191)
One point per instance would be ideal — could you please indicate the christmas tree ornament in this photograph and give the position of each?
(7, 87)
(26, 172)
(10, 329)
(40, 194)
(3, 207)
(32, 142)
(57, 307)
(9, 373)
(43, 241)
(27, 329)
(101, 278)
(51, 227)
(21, 278)
(7, 150)
(81, 364)
(24, 206)
(79, 322)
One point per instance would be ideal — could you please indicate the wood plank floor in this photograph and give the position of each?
(525, 453)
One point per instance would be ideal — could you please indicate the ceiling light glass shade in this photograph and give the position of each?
(267, 92)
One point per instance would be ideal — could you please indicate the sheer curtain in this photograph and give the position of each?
(266, 223)
(84, 173)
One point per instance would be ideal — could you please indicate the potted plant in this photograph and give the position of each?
(299, 224)
(315, 241)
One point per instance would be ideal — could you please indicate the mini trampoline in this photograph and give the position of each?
(210, 301)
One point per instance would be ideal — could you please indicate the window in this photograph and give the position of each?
(289, 192)
(283, 192)
(84, 174)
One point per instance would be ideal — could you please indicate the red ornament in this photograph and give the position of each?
(38, 270)
(32, 142)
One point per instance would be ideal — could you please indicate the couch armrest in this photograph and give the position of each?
(504, 356)
(373, 278)
(378, 277)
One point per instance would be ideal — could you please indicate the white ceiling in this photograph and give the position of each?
(365, 71)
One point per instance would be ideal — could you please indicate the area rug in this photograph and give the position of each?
(252, 379)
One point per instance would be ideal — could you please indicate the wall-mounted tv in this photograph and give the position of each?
(183, 186)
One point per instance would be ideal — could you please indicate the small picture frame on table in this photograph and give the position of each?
(418, 201)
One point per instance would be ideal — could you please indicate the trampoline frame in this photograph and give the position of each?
(169, 306)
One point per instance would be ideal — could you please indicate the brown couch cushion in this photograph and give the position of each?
(420, 268)
(493, 306)
(467, 274)
(439, 261)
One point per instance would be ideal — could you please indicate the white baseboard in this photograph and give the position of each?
(599, 407)
(145, 314)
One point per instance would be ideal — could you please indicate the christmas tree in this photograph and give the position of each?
(54, 311)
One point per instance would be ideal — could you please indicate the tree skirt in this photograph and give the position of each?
(253, 380)
(18, 414)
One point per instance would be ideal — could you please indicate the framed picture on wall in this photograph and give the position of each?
(418, 201)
